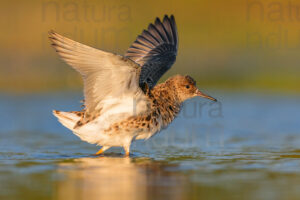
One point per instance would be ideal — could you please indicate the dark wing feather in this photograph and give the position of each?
(155, 50)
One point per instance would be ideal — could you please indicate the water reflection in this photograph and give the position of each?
(117, 177)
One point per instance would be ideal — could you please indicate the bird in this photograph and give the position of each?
(122, 100)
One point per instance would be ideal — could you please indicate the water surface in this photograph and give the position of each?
(246, 147)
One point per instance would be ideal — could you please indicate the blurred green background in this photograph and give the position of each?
(232, 44)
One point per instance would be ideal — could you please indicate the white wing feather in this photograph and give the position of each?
(105, 74)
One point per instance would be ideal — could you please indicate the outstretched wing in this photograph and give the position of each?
(155, 50)
(105, 74)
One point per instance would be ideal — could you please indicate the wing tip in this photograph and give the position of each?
(169, 17)
(162, 31)
(172, 17)
(51, 33)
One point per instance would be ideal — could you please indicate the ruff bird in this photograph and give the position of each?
(123, 101)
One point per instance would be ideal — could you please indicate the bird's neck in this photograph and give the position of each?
(166, 102)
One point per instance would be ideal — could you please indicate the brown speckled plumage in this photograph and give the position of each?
(165, 105)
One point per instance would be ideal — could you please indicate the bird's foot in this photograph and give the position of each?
(127, 154)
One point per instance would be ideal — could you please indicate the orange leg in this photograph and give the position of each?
(127, 151)
(101, 151)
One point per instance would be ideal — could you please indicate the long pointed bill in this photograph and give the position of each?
(200, 94)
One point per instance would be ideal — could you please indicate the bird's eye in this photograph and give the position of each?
(187, 86)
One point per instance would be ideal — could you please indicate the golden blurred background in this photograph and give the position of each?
(232, 44)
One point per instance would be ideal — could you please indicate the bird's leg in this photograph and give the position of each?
(127, 150)
(99, 152)
(104, 148)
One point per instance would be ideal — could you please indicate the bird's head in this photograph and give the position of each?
(185, 88)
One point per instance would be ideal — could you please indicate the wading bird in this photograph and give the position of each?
(122, 101)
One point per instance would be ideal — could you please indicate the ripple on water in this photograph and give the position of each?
(251, 152)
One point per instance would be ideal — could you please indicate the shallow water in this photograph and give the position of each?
(246, 147)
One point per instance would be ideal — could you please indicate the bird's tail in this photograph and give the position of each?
(68, 119)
